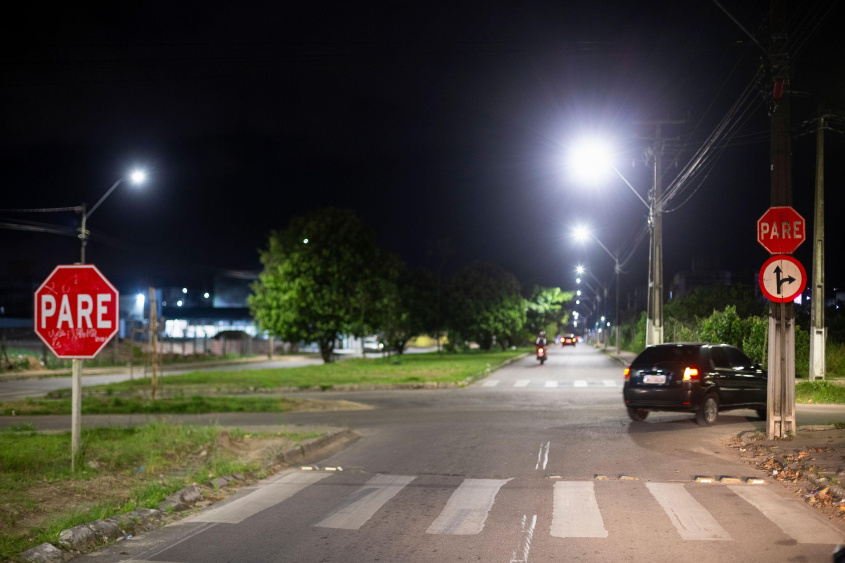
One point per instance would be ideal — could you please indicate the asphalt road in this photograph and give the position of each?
(534, 463)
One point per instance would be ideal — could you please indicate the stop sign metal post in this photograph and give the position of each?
(76, 314)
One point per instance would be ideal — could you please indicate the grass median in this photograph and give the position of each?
(204, 392)
(121, 469)
(409, 368)
(819, 393)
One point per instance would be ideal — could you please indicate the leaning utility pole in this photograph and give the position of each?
(781, 378)
(154, 340)
(817, 330)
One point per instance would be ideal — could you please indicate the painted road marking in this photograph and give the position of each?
(692, 520)
(609, 382)
(363, 503)
(260, 499)
(794, 518)
(491, 383)
(467, 508)
(520, 554)
(522, 383)
(580, 383)
(551, 384)
(543, 456)
(576, 512)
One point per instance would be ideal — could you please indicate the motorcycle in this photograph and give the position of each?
(541, 354)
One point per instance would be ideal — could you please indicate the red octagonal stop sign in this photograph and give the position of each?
(781, 230)
(76, 311)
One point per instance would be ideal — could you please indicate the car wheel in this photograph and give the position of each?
(762, 414)
(637, 415)
(708, 410)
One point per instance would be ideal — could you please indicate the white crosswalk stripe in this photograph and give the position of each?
(271, 494)
(580, 383)
(490, 383)
(802, 525)
(363, 503)
(576, 512)
(522, 383)
(691, 519)
(551, 384)
(610, 383)
(467, 509)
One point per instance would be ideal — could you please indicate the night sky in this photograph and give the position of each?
(432, 121)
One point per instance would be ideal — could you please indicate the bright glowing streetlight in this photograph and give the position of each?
(582, 233)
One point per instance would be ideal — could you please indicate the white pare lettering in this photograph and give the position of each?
(84, 309)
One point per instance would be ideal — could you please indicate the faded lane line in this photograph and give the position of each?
(692, 520)
(466, 511)
(543, 456)
(520, 554)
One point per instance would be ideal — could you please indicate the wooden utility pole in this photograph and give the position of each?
(817, 330)
(154, 340)
(780, 421)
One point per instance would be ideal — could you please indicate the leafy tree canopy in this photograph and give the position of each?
(484, 302)
(545, 307)
(318, 280)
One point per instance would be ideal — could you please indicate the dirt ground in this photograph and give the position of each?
(811, 465)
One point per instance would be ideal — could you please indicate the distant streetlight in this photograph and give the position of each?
(184, 290)
(135, 177)
(582, 233)
(590, 160)
(206, 295)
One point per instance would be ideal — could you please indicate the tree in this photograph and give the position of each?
(703, 301)
(318, 279)
(546, 307)
(484, 303)
(407, 305)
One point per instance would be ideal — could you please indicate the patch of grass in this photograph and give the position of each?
(122, 469)
(141, 405)
(819, 392)
(431, 367)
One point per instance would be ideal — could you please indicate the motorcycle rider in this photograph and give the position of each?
(541, 340)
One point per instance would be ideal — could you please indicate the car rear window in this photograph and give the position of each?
(656, 354)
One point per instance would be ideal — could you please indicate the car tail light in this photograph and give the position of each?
(627, 373)
(690, 374)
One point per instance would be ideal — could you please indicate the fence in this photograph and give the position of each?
(21, 349)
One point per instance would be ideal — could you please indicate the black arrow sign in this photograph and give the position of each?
(782, 281)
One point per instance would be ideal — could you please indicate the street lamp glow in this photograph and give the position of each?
(305, 241)
(179, 303)
(184, 290)
(205, 295)
(590, 160)
(577, 280)
(579, 270)
(578, 293)
(577, 301)
(138, 176)
(581, 234)
(139, 300)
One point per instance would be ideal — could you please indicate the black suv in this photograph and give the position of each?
(699, 378)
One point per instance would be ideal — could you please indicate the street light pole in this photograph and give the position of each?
(76, 364)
